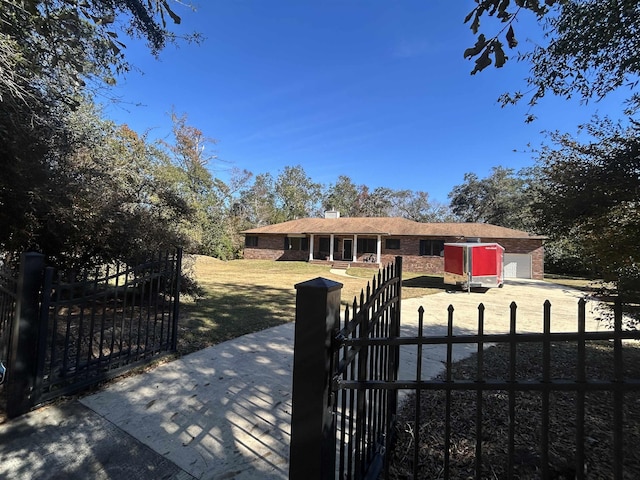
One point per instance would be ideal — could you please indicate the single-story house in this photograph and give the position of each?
(376, 241)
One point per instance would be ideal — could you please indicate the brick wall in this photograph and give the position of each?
(532, 247)
(412, 261)
(417, 263)
(272, 248)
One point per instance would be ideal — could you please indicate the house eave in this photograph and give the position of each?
(389, 226)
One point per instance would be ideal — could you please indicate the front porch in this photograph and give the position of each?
(357, 252)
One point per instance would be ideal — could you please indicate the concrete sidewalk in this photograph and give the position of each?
(224, 412)
(70, 441)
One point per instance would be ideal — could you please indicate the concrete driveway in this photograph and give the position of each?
(529, 297)
(224, 412)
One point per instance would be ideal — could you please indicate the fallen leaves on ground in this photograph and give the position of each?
(527, 457)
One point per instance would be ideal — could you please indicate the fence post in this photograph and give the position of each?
(313, 424)
(23, 352)
(176, 299)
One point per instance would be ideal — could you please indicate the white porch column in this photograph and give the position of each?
(331, 248)
(378, 249)
(355, 248)
(311, 247)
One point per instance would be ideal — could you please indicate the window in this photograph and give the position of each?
(325, 244)
(367, 245)
(250, 241)
(296, 243)
(392, 244)
(432, 248)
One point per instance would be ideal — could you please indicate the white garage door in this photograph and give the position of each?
(517, 265)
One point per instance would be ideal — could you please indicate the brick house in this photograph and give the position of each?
(375, 241)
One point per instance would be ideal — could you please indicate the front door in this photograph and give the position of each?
(347, 249)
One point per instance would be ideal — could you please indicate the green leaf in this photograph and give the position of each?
(499, 54)
(482, 62)
(468, 17)
(113, 47)
(503, 5)
(477, 48)
(511, 38)
(475, 25)
(107, 19)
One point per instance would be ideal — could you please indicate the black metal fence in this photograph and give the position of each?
(358, 406)
(337, 431)
(538, 382)
(61, 332)
(8, 292)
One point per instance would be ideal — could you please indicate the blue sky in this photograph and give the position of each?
(375, 90)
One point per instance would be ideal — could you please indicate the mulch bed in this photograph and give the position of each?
(495, 424)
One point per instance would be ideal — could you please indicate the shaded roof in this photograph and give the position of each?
(388, 226)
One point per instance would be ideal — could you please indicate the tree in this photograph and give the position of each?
(188, 167)
(122, 207)
(49, 49)
(98, 199)
(342, 196)
(64, 42)
(296, 195)
(592, 47)
(376, 203)
(236, 218)
(499, 199)
(258, 202)
(418, 207)
(589, 192)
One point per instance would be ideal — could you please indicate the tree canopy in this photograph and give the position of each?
(296, 194)
(590, 47)
(589, 191)
(101, 197)
(500, 199)
(60, 43)
(60, 178)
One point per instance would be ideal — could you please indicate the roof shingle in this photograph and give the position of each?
(388, 226)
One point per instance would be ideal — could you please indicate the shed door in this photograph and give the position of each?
(517, 265)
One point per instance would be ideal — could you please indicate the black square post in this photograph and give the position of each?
(22, 365)
(313, 425)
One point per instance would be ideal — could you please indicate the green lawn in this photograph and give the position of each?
(244, 296)
(580, 283)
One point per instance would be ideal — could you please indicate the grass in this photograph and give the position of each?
(245, 296)
(588, 285)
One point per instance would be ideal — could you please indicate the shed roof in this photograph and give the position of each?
(388, 226)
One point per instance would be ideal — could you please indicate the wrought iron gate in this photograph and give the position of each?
(346, 385)
(63, 331)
